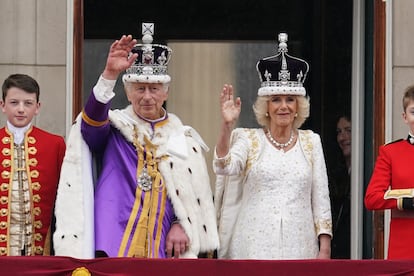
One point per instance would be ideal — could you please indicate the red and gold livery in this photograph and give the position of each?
(44, 154)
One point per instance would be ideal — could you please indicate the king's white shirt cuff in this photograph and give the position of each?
(104, 90)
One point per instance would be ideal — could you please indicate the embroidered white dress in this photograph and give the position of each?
(284, 205)
(276, 197)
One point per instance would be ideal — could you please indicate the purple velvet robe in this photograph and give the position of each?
(118, 201)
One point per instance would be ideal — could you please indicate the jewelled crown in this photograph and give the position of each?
(282, 74)
(151, 63)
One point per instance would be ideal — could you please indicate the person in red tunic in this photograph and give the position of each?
(30, 161)
(392, 186)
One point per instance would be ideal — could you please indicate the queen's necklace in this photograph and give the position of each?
(276, 143)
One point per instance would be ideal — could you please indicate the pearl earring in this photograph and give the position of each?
(267, 114)
(296, 115)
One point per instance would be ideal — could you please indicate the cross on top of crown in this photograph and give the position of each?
(283, 38)
(147, 28)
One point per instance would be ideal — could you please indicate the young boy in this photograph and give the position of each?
(392, 185)
(30, 162)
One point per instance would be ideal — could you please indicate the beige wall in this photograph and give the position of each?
(402, 60)
(198, 72)
(33, 42)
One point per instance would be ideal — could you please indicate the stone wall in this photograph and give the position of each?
(33, 42)
(402, 60)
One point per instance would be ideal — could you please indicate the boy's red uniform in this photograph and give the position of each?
(43, 156)
(391, 181)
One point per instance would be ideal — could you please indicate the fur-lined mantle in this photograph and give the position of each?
(185, 174)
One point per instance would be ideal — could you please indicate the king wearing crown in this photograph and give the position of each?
(152, 195)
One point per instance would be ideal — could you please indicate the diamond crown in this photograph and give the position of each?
(152, 58)
(282, 73)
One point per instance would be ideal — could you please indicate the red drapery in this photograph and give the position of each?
(128, 266)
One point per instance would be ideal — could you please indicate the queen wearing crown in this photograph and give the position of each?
(152, 197)
(272, 197)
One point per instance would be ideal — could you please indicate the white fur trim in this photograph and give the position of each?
(281, 90)
(177, 145)
(189, 189)
(186, 179)
(196, 136)
(74, 235)
(146, 78)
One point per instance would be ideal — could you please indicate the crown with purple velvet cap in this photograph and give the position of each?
(151, 63)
